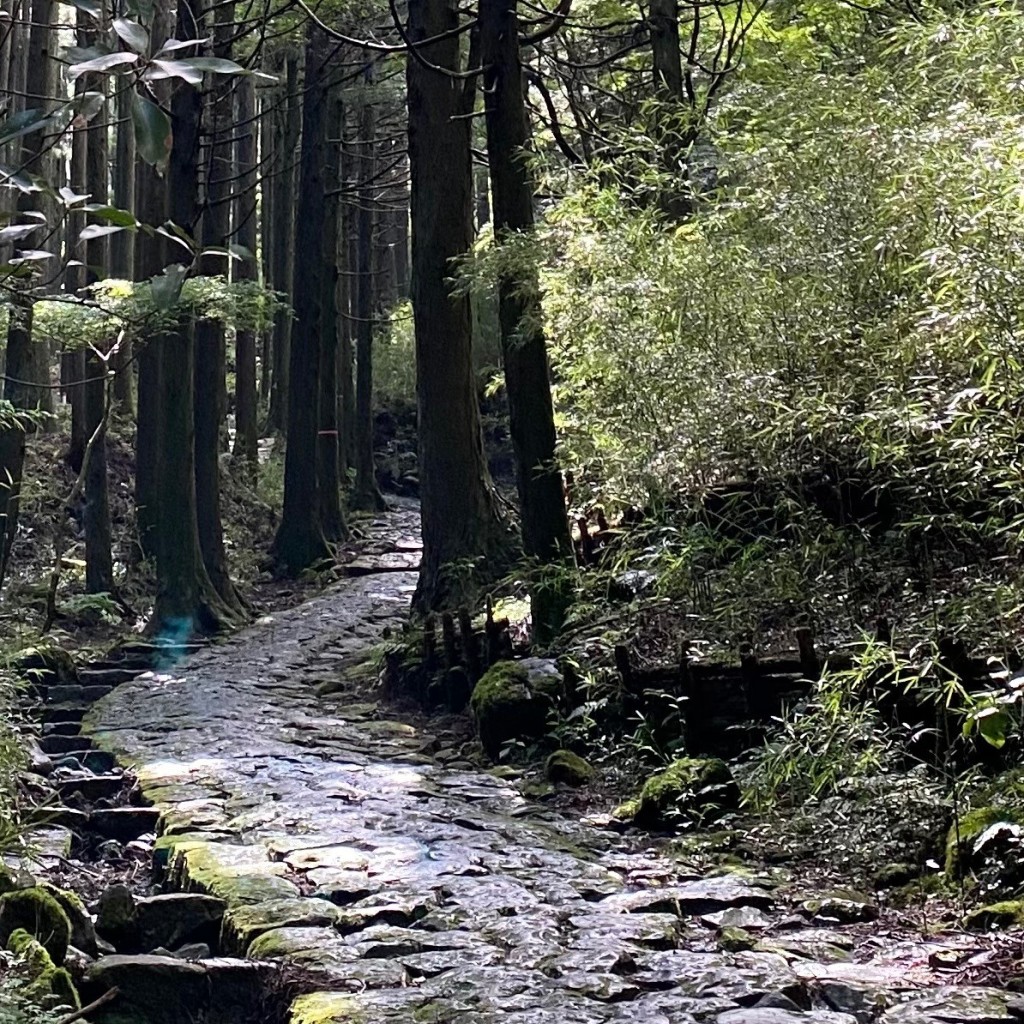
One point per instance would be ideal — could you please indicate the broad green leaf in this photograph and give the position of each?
(166, 289)
(113, 215)
(160, 69)
(23, 123)
(16, 232)
(87, 105)
(173, 45)
(992, 725)
(32, 256)
(93, 231)
(152, 130)
(99, 65)
(91, 7)
(132, 33)
(80, 54)
(215, 65)
(18, 179)
(70, 197)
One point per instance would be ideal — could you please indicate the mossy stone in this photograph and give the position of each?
(326, 1008)
(505, 708)
(8, 882)
(1005, 914)
(690, 788)
(83, 933)
(735, 940)
(41, 915)
(49, 983)
(563, 766)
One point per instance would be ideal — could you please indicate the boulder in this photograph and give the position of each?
(690, 789)
(83, 931)
(40, 914)
(115, 915)
(512, 699)
(565, 767)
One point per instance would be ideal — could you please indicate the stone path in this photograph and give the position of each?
(437, 894)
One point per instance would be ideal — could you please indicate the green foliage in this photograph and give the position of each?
(847, 306)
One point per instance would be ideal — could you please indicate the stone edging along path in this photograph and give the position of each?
(419, 893)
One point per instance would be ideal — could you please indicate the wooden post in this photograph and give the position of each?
(809, 664)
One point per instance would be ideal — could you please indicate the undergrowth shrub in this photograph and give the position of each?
(844, 308)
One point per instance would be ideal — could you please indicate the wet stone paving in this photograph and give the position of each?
(418, 889)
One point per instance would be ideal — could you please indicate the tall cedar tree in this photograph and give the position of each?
(461, 525)
(545, 525)
(186, 599)
(246, 431)
(300, 540)
(209, 358)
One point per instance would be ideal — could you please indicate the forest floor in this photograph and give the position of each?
(378, 851)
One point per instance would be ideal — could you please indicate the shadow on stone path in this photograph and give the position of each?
(430, 895)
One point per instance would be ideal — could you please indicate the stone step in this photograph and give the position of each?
(69, 711)
(124, 823)
(64, 744)
(61, 728)
(92, 787)
(84, 694)
(108, 675)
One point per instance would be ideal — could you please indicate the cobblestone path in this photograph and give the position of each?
(425, 893)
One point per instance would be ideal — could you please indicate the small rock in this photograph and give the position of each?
(749, 918)
(565, 767)
(735, 940)
(99, 761)
(841, 907)
(83, 931)
(775, 1015)
(690, 789)
(193, 951)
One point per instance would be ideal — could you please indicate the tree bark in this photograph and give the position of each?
(346, 336)
(122, 250)
(284, 230)
(246, 432)
(331, 516)
(461, 525)
(365, 494)
(151, 209)
(300, 541)
(99, 564)
(186, 599)
(209, 358)
(22, 365)
(531, 416)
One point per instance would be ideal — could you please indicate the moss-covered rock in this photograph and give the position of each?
(37, 912)
(689, 789)
(563, 766)
(735, 940)
(1005, 914)
(48, 983)
(505, 707)
(83, 932)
